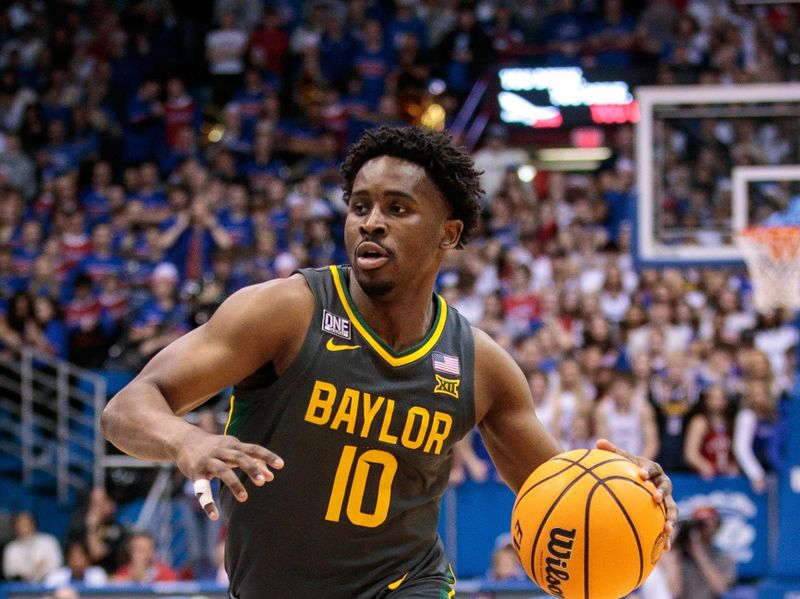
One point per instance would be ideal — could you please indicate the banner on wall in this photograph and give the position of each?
(744, 530)
(787, 555)
(483, 512)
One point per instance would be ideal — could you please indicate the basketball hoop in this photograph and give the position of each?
(772, 255)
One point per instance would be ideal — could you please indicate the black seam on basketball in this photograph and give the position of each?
(547, 516)
(557, 499)
(640, 486)
(560, 458)
(603, 482)
(635, 482)
(532, 487)
(574, 463)
(586, 529)
(630, 480)
(660, 505)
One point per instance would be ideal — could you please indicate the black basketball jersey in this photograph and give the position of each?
(366, 435)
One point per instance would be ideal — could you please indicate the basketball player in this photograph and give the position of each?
(359, 380)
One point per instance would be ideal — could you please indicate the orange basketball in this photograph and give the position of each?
(585, 525)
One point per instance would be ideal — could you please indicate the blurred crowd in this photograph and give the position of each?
(157, 155)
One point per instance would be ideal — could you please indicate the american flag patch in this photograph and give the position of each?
(446, 363)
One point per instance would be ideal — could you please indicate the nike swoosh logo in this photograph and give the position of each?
(397, 582)
(331, 346)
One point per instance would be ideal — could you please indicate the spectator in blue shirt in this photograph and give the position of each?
(613, 36)
(465, 51)
(46, 331)
(149, 194)
(144, 126)
(103, 260)
(147, 255)
(374, 62)
(58, 157)
(235, 218)
(29, 246)
(263, 167)
(44, 279)
(191, 238)
(336, 50)
(565, 33)
(406, 23)
(163, 318)
(185, 148)
(247, 101)
(95, 199)
(618, 202)
(85, 139)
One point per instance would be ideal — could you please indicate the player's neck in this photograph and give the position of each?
(401, 320)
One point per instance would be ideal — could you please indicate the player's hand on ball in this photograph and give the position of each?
(653, 472)
(202, 456)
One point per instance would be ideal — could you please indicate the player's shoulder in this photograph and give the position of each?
(486, 348)
(290, 289)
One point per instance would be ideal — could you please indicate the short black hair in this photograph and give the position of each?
(449, 167)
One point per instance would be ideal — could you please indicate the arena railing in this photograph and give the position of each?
(49, 423)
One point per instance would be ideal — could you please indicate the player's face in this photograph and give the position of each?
(397, 227)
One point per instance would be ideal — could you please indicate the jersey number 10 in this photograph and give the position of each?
(355, 500)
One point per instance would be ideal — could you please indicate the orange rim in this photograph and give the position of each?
(782, 243)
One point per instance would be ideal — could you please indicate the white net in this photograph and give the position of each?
(772, 257)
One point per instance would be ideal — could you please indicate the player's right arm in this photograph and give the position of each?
(255, 326)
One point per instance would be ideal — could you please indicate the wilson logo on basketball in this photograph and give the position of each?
(560, 549)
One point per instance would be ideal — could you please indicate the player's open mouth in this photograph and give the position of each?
(370, 256)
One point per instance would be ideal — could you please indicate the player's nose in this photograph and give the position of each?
(373, 224)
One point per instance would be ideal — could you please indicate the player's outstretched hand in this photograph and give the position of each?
(653, 472)
(202, 456)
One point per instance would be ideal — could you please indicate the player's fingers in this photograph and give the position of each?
(659, 478)
(672, 512)
(272, 459)
(607, 445)
(202, 490)
(672, 518)
(255, 469)
(228, 477)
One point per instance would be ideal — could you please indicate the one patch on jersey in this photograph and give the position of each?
(446, 363)
(336, 325)
(446, 386)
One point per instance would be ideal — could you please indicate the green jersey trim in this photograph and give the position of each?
(375, 342)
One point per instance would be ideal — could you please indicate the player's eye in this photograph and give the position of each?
(398, 209)
(358, 208)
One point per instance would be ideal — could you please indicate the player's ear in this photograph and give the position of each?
(453, 228)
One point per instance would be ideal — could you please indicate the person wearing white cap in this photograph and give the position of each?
(162, 319)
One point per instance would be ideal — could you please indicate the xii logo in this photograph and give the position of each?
(446, 386)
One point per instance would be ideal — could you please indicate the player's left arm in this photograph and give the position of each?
(513, 435)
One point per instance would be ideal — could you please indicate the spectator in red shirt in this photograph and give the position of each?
(268, 43)
(708, 447)
(75, 243)
(142, 566)
(521, 306)
(180, 110)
